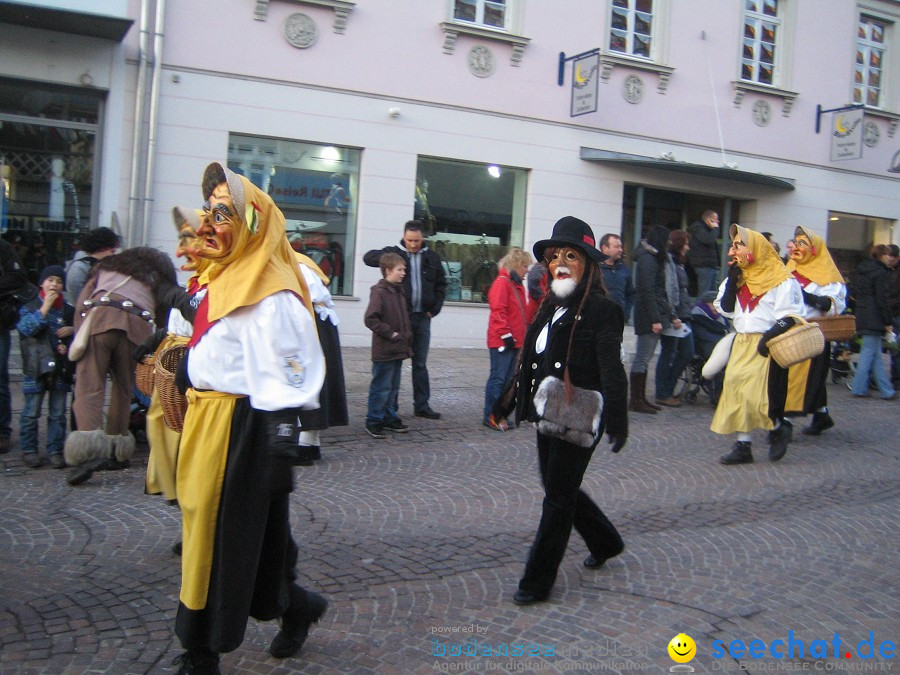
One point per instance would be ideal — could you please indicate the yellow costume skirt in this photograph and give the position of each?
(744, 403)
(163, 440)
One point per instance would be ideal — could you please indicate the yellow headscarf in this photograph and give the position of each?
(766, 271)
(311, 264)
(820, 268)
(262, 261)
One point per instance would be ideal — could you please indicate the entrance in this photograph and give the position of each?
(47, 168)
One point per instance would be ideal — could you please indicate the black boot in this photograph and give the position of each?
(779, 439)
(197, 662)
(637, 401)
(740, 454)
(296, 621)
(821, 421)
(83, 472)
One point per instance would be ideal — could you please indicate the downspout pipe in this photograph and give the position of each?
(158, 36)
(138, 132)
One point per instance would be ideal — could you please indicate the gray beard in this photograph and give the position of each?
(563, 288)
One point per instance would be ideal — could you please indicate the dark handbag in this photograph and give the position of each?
(576, 421)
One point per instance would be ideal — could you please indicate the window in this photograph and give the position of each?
(631, 28)
(762, 26)
(472, 213)
(490, 13)
(315, 185)
(870, 52)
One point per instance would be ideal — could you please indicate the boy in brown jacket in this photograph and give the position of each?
(388, 319)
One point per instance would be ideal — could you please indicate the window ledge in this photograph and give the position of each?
(741, 87)
(342, 9)
(891, 117)
(452, 31)
(609, 61)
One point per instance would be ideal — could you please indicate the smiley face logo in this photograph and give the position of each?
(682, 648)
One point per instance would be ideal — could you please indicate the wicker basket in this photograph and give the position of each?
(840, 327)
(143, 375)
(802, 342)
(174, 405)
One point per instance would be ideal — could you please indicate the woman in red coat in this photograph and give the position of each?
(511, 312)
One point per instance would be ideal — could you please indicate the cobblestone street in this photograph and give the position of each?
(418, 542)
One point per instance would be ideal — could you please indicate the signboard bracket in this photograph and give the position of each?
(820, 112)
(563, 60)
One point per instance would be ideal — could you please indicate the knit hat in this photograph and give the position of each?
(53, 271)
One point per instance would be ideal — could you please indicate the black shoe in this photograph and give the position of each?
(740, 454)
(32, 460)
(527, 598)
(194, 662)
(306, 455)
(375, 431)
(176, 548)
(428, 413)
(779, 439)
(396, 426)
(820, 422)
(83, 472)
(57, 461)
(593, 563)
(292, 635)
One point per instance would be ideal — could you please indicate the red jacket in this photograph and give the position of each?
(510, 311)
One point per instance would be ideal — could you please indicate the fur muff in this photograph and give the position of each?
(83, 446)
(577, 422)
(718, 358)
(123, 446)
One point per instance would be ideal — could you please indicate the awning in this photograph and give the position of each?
(727, 173)
(65, 21)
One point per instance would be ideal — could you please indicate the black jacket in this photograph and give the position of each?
(651, 305)
(872, 292)
(704, 245)
(434, 283)
(594, 363)
(12, 277)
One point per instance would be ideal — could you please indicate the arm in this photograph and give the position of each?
(373, 318)
(629, 294)
(499, 299)
(440, 285)
(614, 383)
(645, 287)
(882, 288)
(705, 235)
(372, 258)
(727, 297)
(31, 322)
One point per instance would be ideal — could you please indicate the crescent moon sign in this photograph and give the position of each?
(839, 124)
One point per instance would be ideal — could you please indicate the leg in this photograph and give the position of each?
(379, 392)
(880, 373)
(56, 423)
(502, 364)
(121, 372)
(5, 400)
(706, 279)
(391, 413)
(28, 428)
(871, 345)
(421, 328)
(665, 377)
(562, 470)
(90, 383)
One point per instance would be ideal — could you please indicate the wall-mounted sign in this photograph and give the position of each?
(847, 135)
(585, 76)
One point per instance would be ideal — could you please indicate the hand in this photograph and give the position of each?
(656, 328)
(820, 302)
(61, 349)
(509, 342)
(781, 326)
(617, 441)
(49, 300)
(734, 273)
(395, 336)
(65, 332)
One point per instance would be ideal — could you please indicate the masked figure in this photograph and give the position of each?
(760, 296)
(824, 294)
(252, 374)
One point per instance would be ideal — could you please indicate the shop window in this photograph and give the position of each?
(47, 169)
(315, 185)
(472, 214)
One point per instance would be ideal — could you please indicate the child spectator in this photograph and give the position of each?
(45, 330)
(388, 319)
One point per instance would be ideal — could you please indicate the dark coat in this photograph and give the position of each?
(434, 283)
(386, 315)
(872, 291)
(651, 305)
(594, 363)
(12, 277)
(43, 368)
(704, 245)
(617, 279)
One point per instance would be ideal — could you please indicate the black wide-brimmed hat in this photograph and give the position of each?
(570, 231)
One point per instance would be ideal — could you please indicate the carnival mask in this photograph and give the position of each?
(740, 254)
(565, 263)
(187, 241)
(803, 250)
(221, 230)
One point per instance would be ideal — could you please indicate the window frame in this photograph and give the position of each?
(511, 34)
(887, 34)
(479, 11)
(654, 31)
(778, 21)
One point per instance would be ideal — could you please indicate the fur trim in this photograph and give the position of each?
(83, 446)
(719, 357)
(123, 446)
(577, 422)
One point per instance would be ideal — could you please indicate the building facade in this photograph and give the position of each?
(358, 116)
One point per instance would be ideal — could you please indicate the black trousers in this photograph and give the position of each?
(565, 505)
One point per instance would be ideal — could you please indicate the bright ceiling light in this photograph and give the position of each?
(494, 170)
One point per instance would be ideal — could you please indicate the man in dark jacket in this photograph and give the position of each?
(704, 255)
(12, 277)
(616, 275)
(424, 287)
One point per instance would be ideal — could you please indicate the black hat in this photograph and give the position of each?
(570, 231)
(53, 271)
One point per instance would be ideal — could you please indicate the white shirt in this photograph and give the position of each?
(268, 351)
(178, 325)
(776, 303)
(320, 296)
(835, 290)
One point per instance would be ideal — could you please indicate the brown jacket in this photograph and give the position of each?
(386, 315)
(110, 318)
